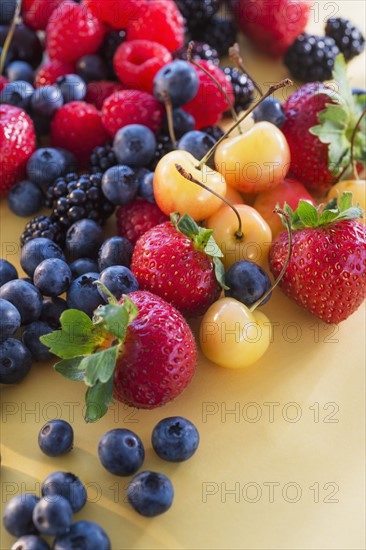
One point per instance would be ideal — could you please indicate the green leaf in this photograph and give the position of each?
(70, 368)
(188, 226)
(327, 216)
(97, 399)
(212, 248)
(116, 318)
(307, 213)
(341, 78)
(345, 201)
(99, 367)
(108, 295)
(220, 273)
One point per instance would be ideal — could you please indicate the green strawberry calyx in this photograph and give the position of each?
(203, 240)
(89, 349)
(340, 125)
(336, 210)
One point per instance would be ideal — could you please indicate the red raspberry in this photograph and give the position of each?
(131, 107)
(159, 21)
(3, 82)
(136, 62)
(36, 13)
(209, 103)
(97, 92)
(117, 13)
(134, 219)
(78, 127)
(73, 31)
(50, 71)
(17, 144)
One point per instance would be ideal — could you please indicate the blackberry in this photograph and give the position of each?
(219, 33)
(43, 226)
(200, 50)
(197, 12)
(108, 48)
(74, 198)
(163, 146)
(102, 158)
(243, 87)
(214, 131)
(347, 36)
(311, 58)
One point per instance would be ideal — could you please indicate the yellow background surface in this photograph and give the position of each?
(281, 463)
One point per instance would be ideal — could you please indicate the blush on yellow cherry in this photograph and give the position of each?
(232, 336)
(174, 193)
(255, 242)
(256, 160)
(358, 190)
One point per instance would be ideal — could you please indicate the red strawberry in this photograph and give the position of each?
(72, 31)
(175, 266)
(36, 13)
(326, 274)
(272, 26)
(134, 219)
(17, 144)
(97, 92)
(50, 71)
(78, 127)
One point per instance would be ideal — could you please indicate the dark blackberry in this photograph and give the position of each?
(108, 48)
(74, 198)
(346, 35)
(200, 50)
(243, 88)
(197, 12)
(163, 146)
(311, 58)
(102, 158)
(214, 131)
(43, 226)
(219, 33)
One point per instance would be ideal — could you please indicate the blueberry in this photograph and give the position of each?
(182, 123)
(150, 493)
(17, 93)
(25, 45)
(120, 184)
(115, 251)
(20, 70)
(72, 86)
(9, 319)
(70, 162)
(45, 166)
(84, 295)
(46, 100)
(30, 542)
(119, 280)
(91, 68)
(52, 277)
(197, 143)
(175, 439)
(7, 272)
(82, 266)
(15, 363)
(121, 452)
(7, 11)
(134, 145)
(37, 250)
(146, 189)
(52, 516)
(52, 309)
(179, 80)
(83, 535)
(247, 282)
(31, 336)
(56, 438)
(83, 239)
(25, 297)
(25, 198)
(17, 516)
(67, 485)
(270, 110)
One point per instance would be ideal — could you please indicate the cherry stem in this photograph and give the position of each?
(221, 88)
(239, 232)
(169, 114)
(234, 54)
(10, 35)
(352, 161)
(270, 91)
(284, 215)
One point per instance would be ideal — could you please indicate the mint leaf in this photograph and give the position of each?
(307, 213)
(70, 368)
(99, 366)
(97, 399)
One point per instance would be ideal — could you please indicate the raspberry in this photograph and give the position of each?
(3, 82)
(136, 62)
(50, 71)
(42, 226)
(159, 21)
(200, 50)
(347, 36)
(311, 58)
(102, 158)
(36, 13)
(117, 13)
(134, 219)
(72, 32)
(97, 92)
(131, 107)
(78, 127)
(209, 103)
(243, 87)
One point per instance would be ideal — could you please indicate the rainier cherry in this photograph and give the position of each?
(356, 187)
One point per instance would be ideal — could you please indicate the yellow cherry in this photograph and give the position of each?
(175, 193)
(358, 190)
(255, 241)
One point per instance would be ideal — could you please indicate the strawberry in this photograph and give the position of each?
(50, 71)
(326, 274)
(140, 350)
(17, 144)
(272, 26)
(173, 260)
(36, 13)
(137, 217)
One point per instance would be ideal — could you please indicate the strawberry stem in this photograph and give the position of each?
(10, 35)
(169, 114)
(235, 57)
